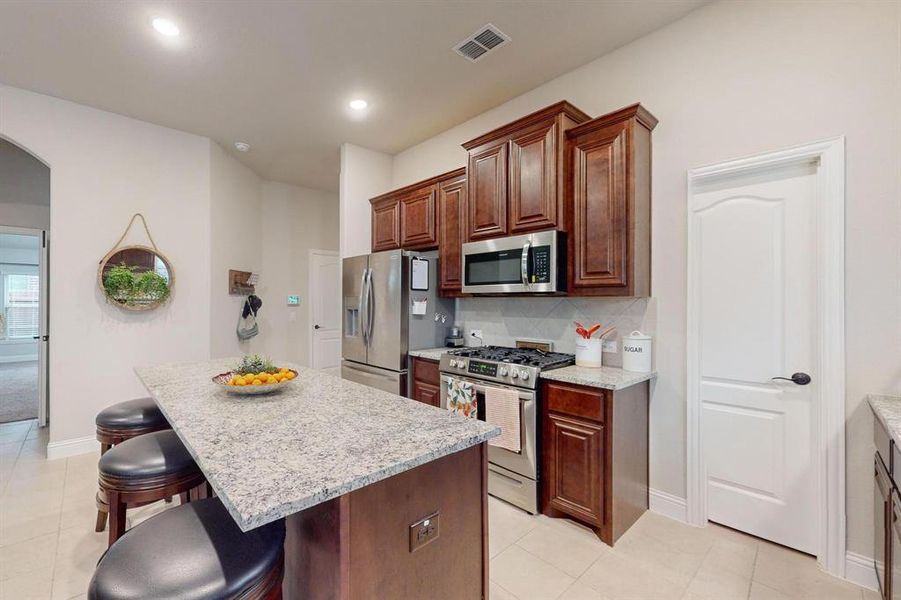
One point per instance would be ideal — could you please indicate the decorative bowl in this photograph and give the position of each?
(222, 380)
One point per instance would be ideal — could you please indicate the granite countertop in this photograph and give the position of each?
(608, 378)
(273, 455)
(888, 410)
(429, 353)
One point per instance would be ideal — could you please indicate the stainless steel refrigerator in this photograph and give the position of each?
(380, 324)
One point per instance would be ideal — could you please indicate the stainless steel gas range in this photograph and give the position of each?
(512, 476)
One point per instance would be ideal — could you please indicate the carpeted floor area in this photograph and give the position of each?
(18, 391)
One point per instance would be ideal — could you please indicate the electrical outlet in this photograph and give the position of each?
(609, 346)
(476, 333)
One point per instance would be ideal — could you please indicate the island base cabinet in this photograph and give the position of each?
(358, 546)
(595, 456)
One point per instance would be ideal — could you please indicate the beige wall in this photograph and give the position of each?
(734, 79)
(364, 174)
(103, 169)
(236, 243)
(295, 221)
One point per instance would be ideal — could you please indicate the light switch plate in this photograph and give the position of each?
(609, 346)
(293, 300)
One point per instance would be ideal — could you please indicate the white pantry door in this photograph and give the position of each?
(325, 310)
(754, 283)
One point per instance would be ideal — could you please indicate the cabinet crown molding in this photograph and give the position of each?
(639, 112)
(419, 184)
(548, 112)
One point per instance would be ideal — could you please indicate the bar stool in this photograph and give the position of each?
(120, 422)
(151, 467)
(192, 552)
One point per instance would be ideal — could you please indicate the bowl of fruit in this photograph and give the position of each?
(255, 375)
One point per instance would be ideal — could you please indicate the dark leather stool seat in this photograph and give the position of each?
(155, 454)
(141, 413)
(192, 552)
(144, 469)
(121, 422)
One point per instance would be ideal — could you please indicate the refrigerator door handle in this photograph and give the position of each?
(370, 307)
(364, 301)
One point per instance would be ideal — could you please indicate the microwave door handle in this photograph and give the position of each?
(524, 263)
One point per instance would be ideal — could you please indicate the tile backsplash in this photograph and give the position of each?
(505, 320)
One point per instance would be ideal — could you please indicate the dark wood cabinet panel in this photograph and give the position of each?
(417, 218)
(533, 179)
(451, 223)
(426, 381)
(487, 194)
(608, 163)
(600, 219)
(385, 225)
(427, 394)
(574, 480)
(595, 455)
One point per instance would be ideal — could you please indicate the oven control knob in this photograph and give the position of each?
(452, 363)
(524, 375)
(503, 372)
(514, 374)
(461, 365)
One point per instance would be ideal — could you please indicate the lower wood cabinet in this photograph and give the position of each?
(886, 514)
(425, 384)
(595, 455)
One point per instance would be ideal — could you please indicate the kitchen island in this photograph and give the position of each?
(383, 497)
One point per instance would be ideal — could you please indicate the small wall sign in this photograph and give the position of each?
(293, 300)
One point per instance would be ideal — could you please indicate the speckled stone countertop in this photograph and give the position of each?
(608, 378)
(273, 455)
(429, 353)
(888, 410)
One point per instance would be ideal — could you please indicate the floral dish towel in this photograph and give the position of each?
(461, 398)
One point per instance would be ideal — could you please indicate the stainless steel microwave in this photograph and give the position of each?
(529, 263)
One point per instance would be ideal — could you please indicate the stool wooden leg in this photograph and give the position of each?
(104, 447)
(102, 512)
(116, 516)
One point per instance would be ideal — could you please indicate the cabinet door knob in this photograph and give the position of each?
(797, 378)
(316, 327)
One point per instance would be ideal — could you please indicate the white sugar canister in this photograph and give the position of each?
(637, 352)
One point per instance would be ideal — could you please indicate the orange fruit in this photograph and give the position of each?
(290, 375)
(240, 382)
(257, 382)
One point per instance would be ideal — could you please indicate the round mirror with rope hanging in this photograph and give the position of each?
(136, 277)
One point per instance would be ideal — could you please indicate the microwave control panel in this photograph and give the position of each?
(541, 264)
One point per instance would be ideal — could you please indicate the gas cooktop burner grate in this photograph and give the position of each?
(517, 356)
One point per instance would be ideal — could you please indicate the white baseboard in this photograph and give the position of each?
(668, 505)
(19, 358)
(73, 447)
(859, 569)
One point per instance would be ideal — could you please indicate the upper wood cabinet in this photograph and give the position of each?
(408, 217)
(451, 225)
(609, 165)
(515, 174)
(417, 218)
(385, 224)
(487, 212)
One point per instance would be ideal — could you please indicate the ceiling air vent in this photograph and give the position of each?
(481, 42)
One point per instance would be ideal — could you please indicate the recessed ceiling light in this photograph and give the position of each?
(358, 104)
(165, 27)
(242, 146)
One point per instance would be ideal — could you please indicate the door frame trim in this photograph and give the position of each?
(44, 329)
(829, 157)
(311, 344)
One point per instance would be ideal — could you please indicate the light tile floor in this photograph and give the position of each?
(48, 547)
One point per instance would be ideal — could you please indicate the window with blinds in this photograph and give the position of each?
(21, 306)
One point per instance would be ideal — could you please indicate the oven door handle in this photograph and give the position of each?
(524, 263)
(523, 395)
